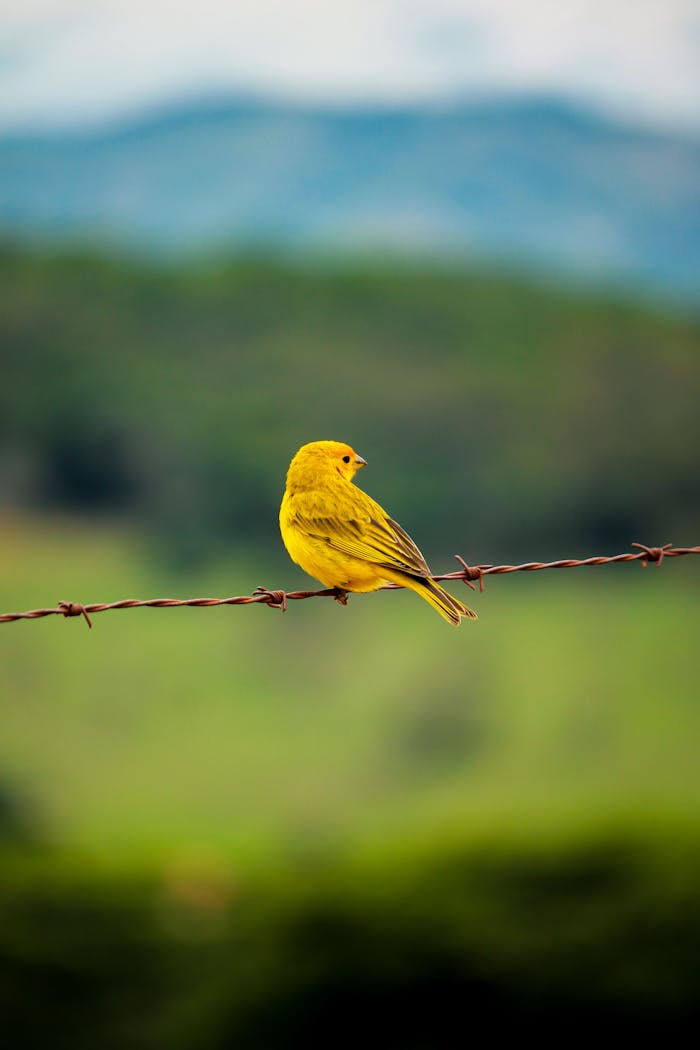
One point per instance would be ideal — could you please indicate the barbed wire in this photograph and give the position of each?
(277, 599)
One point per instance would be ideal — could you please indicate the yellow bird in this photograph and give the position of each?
(340, 536)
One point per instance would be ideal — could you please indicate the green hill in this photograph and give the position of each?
(498, 418)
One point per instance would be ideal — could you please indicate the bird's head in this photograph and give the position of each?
(323, 457)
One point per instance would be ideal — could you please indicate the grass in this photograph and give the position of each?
(263, 823)
(570, 704)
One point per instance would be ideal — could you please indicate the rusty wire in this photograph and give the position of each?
(277, 599)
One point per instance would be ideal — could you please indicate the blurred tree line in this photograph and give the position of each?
(498, 417)
(603, 936)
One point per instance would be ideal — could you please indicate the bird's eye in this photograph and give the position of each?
(346, 459)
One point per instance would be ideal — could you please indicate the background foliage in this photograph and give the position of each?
(232, 827)
(178, 397)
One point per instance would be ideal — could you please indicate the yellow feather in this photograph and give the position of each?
(342, 537)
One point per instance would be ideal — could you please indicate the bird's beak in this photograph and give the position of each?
(360, 462)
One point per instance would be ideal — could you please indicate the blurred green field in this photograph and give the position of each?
(239, 828)
(570, 704)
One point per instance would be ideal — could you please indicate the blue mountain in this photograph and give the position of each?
(537, 182)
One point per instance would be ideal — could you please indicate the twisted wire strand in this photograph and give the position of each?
(277, 599)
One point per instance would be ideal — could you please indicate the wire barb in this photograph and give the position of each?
(273, 599)
(277, 599)
(652, 553)
(74, 609)
(472, 572)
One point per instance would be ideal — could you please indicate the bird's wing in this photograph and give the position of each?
(378, 539)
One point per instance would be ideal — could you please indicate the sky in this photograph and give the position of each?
(75, 61)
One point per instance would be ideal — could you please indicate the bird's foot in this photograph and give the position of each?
(340, 596)
(275, 599)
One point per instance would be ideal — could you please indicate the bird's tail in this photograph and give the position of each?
(449, 607)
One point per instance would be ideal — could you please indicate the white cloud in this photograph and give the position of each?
(77, 59)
